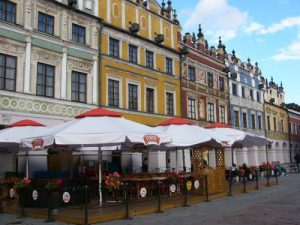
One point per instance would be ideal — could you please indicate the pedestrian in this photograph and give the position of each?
(297, 159)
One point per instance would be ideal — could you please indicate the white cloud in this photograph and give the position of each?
(291, 52)
(252, 27)
(217, 17)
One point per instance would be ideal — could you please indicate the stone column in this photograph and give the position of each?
(64, 74)
(95, 80)
(27, 67)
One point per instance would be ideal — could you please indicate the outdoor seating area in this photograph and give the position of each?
(100, 160)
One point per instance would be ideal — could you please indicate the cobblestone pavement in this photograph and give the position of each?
(269, 206)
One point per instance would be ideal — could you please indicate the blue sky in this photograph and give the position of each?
(266, 31)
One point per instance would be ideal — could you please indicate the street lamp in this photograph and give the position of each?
(268, 146)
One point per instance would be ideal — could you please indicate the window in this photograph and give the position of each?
(245, 120)
(191, 73)
(169, 65)
(113, 93)
(275, 125)
(234, 89)
(78, 34)
(268, 122)
(132, 97)
(251, 94)
(114, 47)
(192, 108)
(243, 92)
(211, 116)
(259, 122)
(223, 114)
(149, 59)
(8, 11)
(8, 66)
(78, 87)
(210, 80)
(221, 84)
(170, 103)
(46, 23)
(133, 54)
(253, 121)
(45, 80)
(236, 119)
(282, 126)
(258, 96)
(150, 100)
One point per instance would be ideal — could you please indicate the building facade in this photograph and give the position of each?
(140, 62)
(49, 61)
(294, 128)
(246, 105)
(276, 122)
(204, 94)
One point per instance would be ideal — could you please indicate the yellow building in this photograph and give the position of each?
(276, 123)
(140, 61)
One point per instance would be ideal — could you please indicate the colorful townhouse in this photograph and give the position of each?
(294, 129)
(276, 123)
(140, 69)
(246, 107)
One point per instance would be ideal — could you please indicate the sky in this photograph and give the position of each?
(266, 31)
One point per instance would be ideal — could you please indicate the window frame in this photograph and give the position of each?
(111, 95)
(236, 118)
(170, 106)
(114, 47)
(192, 109)
(149, 59)
(275, 123)
(45, 24)
(221, 84)
(5, 12)
(210, 80)
(259, 122)
(223, 114)
(191, 73)
(44, 85)
(169, 66)
(234, 89)
(210, 112)
(243, 92)
(76, 37)
(133, 104)
(133, 55)
(150, 104)
(78, 83)
(269, 122)
(253, 118)
(245, 120)
(5, 68)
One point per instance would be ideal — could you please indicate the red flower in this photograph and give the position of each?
(59, 182)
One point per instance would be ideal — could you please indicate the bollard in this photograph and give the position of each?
(206, 188)
(276, 176)
(185, 192)
(257, 179)
(86, 213)
(244, 182)
(158, 197)
(126, 202)
(1, 194)
(230, 182)
(50, 204)
(268, 177)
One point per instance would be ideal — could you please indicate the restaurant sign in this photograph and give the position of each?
(172, 188)
(189, 185)
(35, 195)
(196, 184)
(66, 197)
(37, 144)
(143, 192)
(148, 139)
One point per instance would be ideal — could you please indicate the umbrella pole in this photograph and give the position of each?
(176, 160)
(232, 159)
(27, 164)
(100, 174)
(183, 160)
